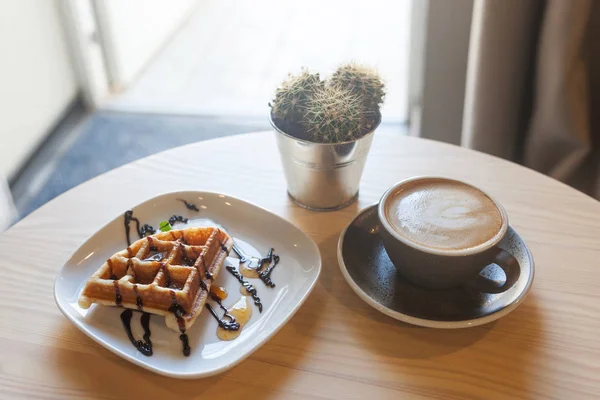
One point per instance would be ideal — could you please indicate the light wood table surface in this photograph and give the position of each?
(336, 346)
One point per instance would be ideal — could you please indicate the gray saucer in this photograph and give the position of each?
(371, 274)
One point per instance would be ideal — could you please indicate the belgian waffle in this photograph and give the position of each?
(168, 273)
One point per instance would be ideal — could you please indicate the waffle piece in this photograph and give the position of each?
(168, 273)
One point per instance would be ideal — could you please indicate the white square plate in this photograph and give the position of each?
(253, 228)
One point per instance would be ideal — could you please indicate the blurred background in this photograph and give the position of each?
(89, 85)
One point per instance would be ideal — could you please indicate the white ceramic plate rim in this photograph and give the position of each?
(469, 323)
(209, 372)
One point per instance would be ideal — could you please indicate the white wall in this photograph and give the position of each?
(133, 31)
(37, 82)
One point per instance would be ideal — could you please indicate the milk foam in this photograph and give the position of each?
(442, 214)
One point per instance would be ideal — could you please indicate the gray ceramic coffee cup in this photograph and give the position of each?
(434, 268)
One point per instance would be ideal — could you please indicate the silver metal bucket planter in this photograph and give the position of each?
(323, 176)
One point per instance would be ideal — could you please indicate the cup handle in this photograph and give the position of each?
(511, 268)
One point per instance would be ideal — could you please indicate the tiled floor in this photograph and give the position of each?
(230, 55)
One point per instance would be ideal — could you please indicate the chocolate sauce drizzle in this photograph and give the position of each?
(185, 344)
(190, 206)
(177, 218)
(218, 300)
(224, 248)
(247, 285)
(110, 270)
(138, 300)
(207, 273)
(142, 231)
(265, 275)
(128, 217)
(179, 312)
(145, 346)
(229, 324)
(146, 230)
(118, 298)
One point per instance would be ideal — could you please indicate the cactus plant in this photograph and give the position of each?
(362, 81)
(333, 115)
(291, 98)
(338, 110)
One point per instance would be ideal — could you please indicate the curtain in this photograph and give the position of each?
(533, 86)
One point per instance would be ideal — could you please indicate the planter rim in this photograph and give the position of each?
(372, 131)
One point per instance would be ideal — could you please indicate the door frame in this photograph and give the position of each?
(440, 35)
(87, 54)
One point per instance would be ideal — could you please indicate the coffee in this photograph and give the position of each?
(443, 214)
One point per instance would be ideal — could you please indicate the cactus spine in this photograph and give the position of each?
(363, 82)
(333, 115)
(338, 110)
(291, 98)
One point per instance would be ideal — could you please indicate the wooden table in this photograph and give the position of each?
(336, 346)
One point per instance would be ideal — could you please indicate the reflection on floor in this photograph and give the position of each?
(230, 55)
(106, 140)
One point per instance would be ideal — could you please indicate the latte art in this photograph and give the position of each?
(445, 215)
